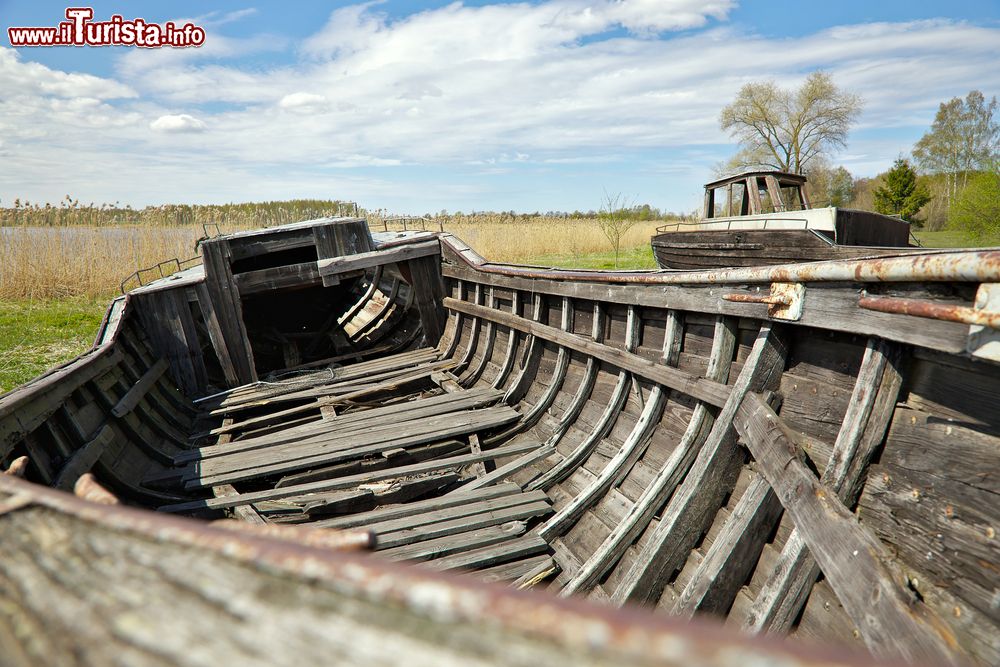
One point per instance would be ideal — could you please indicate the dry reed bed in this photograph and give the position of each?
(77, 260)
(59, 262)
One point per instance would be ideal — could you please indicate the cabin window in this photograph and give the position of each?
(728, 200)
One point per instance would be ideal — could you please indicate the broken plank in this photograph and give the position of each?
(345, 482)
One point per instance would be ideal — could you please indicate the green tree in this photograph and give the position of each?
(963, 138)
(976, 209)
(615, 218)
(829, 186)
(787, 129)
(900, 194)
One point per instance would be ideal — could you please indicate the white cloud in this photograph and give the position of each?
(19, 77)
(177, 123)
(304, 102)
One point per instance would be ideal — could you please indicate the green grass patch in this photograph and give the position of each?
(640, 257)
(37, 335)
(949, 238)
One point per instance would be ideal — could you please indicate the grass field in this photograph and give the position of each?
(36, 335)
(56, 282)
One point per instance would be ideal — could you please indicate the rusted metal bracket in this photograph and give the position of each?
(984, 340)
(784, 301)
(983, 317)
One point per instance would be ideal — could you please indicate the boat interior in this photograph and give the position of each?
(786, 449)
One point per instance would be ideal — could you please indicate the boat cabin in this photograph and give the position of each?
(756, 193)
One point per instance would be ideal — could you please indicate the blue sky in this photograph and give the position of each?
(421, 106)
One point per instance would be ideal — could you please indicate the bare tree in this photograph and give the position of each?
(786, 129)
(615, 218)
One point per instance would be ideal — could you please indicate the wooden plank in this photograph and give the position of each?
(529, 363)
(420, 506)
(342, 238)
(224, 296)
(467, 509)
(383, 493)
(857, 566)
(695, 502)
(465, 524)
(733, 554)
(367, 260)
(478, 469)
(510, 468)
(674, 468)
(348, 481)
(428, 294)
(84, 458)
(515, 549)
(426, 407)
(713, 393)
(387, 461)
(829, 306)
(430, 430)
(132, 397)
(454, 544)
(246, 513)
(304, 274)
(535, 412)
(786, 589)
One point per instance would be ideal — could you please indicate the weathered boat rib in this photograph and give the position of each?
(629, 437)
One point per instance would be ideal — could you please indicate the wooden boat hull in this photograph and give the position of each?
(821, 467)
(691, 251)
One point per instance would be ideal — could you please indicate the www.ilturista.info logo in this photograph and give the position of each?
(81, 30)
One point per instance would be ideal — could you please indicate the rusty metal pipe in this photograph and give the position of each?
(758, 298)
(931, 310)
(921, 266)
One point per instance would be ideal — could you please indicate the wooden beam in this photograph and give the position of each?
(873, 592)
(753, 190)
(84, 458)
(529, 362)
(428, 292)
(536, 411)
(278, 277)
(224, 296)
(135, 393)
(869, 412)
(774, 190)
(674, 468)
(630, 451)
(564, 468)
(712, 475)
(367, 260)
(733, 555)
(713, 393)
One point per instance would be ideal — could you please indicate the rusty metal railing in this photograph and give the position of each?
(178, 264)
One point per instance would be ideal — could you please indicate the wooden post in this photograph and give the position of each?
(224, 297)
(428, 290)
(856, 565)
